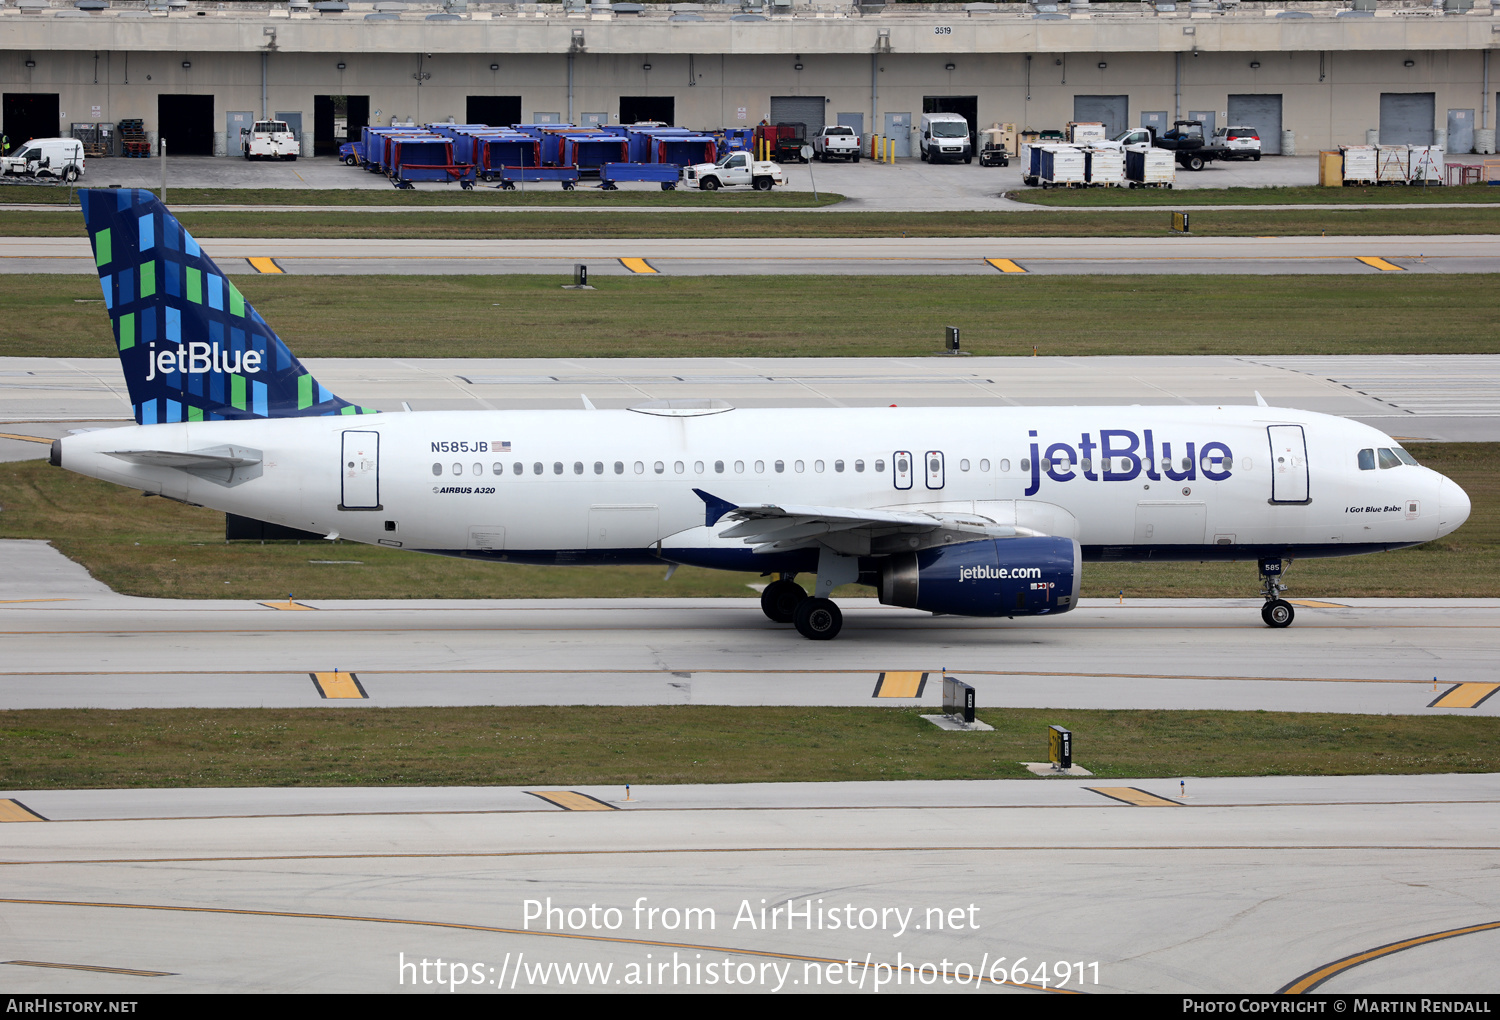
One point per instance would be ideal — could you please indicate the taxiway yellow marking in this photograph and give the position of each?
(618, 940)
(900, 685)
(25, 439)
(1376, 262)
(85, 966)
(1005, 265)
(15, 811)
(8, 602)
(1133, 796)
(289, 604)
(1314, 604)
(638, 266)
(1312, 979)
(338, 685)
(572, 800)
(1464, 696)
(261, 264)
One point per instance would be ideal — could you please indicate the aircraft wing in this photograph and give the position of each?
(773, 527)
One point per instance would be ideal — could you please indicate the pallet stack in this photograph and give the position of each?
(133, 141)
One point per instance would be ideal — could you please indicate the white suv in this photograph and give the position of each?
(1242, 142)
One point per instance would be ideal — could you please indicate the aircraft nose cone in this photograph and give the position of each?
(1453, 507)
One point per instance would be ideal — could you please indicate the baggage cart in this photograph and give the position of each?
(1149, 167)
(665, 174)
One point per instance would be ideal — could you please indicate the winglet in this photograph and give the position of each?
(1260, 400)
(714, 508)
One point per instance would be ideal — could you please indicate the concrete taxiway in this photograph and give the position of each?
(1233, 885)
(1440, 397)
(1395, 255)
(71, 643)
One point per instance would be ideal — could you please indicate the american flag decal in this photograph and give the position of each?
(500, 446)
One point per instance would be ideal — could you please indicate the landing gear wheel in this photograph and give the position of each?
(818, 619)
(780, 600)
(1278, 613)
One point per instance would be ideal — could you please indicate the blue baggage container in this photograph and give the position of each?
(589, 152)
(685, 150)
(427, 158)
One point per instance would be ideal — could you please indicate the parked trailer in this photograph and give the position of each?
(1061, 166)
(1104, 168)
(374, 140)
(665, 174)
(509, 176)
(427, 158)
(493, 153)
(643, 140)
(589, 152)
(685, 150)
(1147, 167)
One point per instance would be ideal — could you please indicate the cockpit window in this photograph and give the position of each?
(1388, 459)
(1406, 458)
(1367, 460)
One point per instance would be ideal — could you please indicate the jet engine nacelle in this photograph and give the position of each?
(990, 577)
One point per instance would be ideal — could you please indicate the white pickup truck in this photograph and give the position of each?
(270, 139)
(836, 141)
(734, 168)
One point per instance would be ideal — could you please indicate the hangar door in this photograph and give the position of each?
(642, 109)
(1112, 111)
(806, 110)
(966, 107)
(336, 120)
(187, 123)
(496, 111)
(1262, 112)
(30, 115)
(1406, 118)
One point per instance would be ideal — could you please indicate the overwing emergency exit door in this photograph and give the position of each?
(359, 471)
(1289, 482)
(901, 468)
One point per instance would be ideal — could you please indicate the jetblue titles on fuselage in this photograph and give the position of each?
(1124, 456)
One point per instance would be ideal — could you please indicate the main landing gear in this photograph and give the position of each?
(785, 601)
(1277, 612)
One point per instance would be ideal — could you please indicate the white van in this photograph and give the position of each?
(269, 139)
(945, 138)
(60, 158)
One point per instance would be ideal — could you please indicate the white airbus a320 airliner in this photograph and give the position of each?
(983, 511)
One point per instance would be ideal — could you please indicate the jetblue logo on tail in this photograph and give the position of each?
(198, 358)
(191, 346)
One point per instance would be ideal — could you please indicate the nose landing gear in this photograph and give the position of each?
(1277, 612)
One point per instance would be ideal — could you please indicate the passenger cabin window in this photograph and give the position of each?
(1367, 460)
(498, 468)
(437, 469)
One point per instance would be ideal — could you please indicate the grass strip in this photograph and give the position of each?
(1094, 198)
(774, 316)
(161, 549)
(749, 224)
(63, 749)
(483, 196)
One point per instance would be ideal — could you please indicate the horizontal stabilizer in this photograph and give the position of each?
(224, 465)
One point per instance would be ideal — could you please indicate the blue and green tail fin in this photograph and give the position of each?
(191, 346)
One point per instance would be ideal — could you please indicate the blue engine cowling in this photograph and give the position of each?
(991, 577)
